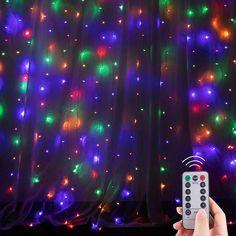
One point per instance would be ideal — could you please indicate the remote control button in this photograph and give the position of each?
(187, 178)
(187, 212)
(187, 198)
(187, 185)
(187, 191)
(203, 198)
(202, 191)
(202, 177)
(188, 205)
(202, 184)
(195, 178)
(203, 205)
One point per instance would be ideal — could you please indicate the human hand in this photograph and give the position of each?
(201, 223)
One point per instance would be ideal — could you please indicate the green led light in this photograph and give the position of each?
(97, 128)
(35, 180)
(49, 119)
(217, 119)
(82, 170)
(190, 13)
(85, 56)
(48, 59)
(220, 71)
(121, 7)
(98, 192)
(233, 20)
(115, 64)
(23, 86)
(76, 110)
(2, 111)
(160, 113)
(167, 53)
(95, 9)
(204, 10)
(103, 70)
(162, 169)
(164, 3)
(16, 141)
(234, 129)
(3, 54)
(56, 5)
(77, 169)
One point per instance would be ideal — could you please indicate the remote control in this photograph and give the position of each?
(195, 195)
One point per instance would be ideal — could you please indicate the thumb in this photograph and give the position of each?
(201, 224)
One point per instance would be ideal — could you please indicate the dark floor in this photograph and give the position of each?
(49, 230)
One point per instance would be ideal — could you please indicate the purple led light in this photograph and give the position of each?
(125, 193)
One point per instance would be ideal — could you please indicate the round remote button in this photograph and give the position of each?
(187, 178)
(202, 184)
(188, 205)
(187, 191)
(203, 205)
(187, 185)
(203, 198)
(202, 191)
(187, 212)
(195, 178)
(202, 177)
(187, 198)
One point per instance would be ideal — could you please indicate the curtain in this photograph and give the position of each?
(102, 101)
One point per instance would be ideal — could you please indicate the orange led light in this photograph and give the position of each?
(1, 67)
(50, 194)
(225, 34)
(42, 16)
(215, 23)
(65, 181)
(36, 136)
(129, 178)
(162, 186)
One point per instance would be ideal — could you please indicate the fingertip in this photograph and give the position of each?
(179, 210)
(201, 213)
(177, 225)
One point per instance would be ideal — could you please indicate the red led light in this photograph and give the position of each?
(101, 52)
(224, 178)
(195, 109)
(27, 33)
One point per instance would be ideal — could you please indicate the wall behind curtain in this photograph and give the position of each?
(102, 100)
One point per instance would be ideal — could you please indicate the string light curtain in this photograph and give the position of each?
(100, 102)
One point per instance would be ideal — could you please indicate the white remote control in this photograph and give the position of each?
(195, 195)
